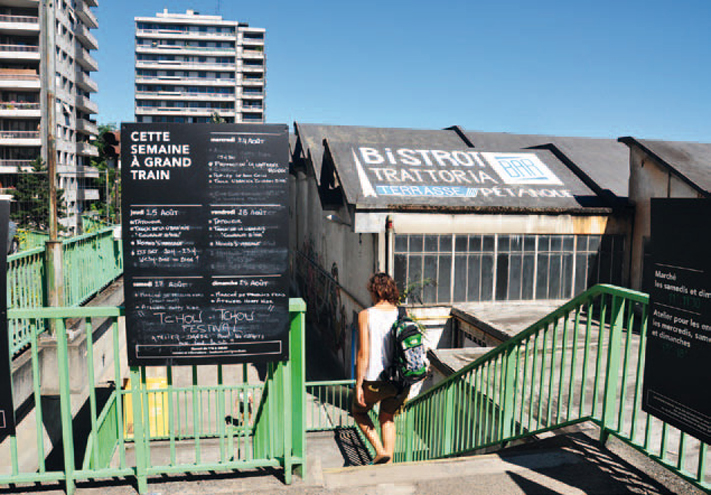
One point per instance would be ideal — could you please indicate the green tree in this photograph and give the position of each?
(31, 197)
(109, 181)
(216, 118)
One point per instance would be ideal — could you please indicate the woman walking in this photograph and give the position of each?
(374, 358)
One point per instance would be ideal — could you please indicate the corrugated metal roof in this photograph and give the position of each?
(690, 161)
(603, 164)
(406, 168)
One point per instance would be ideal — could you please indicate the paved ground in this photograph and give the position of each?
(570, 464)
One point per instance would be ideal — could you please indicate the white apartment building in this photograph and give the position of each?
(29, 53)
(193, 68)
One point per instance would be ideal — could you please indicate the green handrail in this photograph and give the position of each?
(91, 262)
(583, 362)
(214, 421)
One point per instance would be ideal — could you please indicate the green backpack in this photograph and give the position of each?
(409, 360)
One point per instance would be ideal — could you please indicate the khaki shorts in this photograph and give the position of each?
(391, 401)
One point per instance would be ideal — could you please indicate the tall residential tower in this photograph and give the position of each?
(44, 47)
(194, 68)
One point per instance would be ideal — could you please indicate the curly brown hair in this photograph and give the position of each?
(383, 287)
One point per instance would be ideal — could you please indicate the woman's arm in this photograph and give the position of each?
(362, 356)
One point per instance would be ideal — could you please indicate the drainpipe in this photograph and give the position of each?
(388, 244)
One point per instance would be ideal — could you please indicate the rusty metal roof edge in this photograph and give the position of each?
(486, 209)
(629, 141)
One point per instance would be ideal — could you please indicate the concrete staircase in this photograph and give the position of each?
(571, 463)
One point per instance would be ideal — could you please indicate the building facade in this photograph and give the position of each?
(193, 68)
(47, 49)
(661, 169)
(456, 217)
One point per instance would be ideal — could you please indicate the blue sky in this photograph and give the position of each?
(580, 68)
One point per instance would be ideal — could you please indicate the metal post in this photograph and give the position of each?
(508, 404)
(613, 367)
(55, 277)
(139, 438)
(298, 384)
(48, 80)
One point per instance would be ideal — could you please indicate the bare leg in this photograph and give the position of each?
(368, 428)
(387, 427)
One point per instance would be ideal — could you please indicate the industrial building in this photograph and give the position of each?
(46, 48)
(456, 217)
(661, 169)
(193, 68)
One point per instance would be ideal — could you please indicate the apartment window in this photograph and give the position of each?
(459, 268)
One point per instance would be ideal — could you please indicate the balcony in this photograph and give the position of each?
(252, 81)
(186, 50)
(86, 15)
(252, 96)
(86, 105)
(85, 60)
(182, 33)
(247, 40)
(85, 82)
(253, 68)
(252, 54)
(85, 36)
(87, 127)
(253, 118)
(19, 52)
(196, 81)
(178, 95)
(252, 107)
(20, 138)
(87, 194)
(183, 110)
(86, 149)
(11, 166)
(19, 109)
(184, 65)
(19, 24)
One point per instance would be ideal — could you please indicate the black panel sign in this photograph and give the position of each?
(205, 237)
(7, 409)
(677, 371)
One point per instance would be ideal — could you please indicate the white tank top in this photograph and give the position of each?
(380, 321)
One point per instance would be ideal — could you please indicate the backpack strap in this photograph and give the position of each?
(401, 312)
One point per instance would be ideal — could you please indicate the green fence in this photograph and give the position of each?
(583, 362)
(91, 262)
(189, 420)
(25, 289)
(328, 405)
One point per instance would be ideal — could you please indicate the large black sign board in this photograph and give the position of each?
(7, 409)
(205, 237)
(677, 372)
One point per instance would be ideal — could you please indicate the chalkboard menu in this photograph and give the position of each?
(7, 409)
(677, 371)
(205, 238)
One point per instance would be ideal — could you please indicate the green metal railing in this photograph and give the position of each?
(583, 362)
(91, 262)
(194, 422)
(25, 289)
(328, 405)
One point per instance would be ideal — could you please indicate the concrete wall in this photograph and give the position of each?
(346, 258)
(649, 179)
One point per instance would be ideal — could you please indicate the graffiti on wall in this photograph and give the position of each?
(321, 290)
